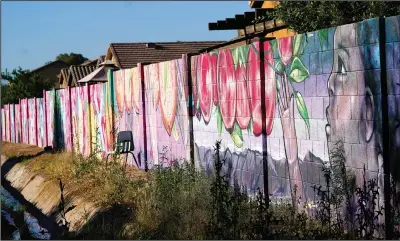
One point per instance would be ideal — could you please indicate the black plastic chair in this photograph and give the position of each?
(124, 145)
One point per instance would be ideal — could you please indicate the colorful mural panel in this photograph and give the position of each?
(167, 122)
(41, 123)
(101, 118)
(50, 117)
(17, 124)
(63, 119)
(7, 122)
(80, 119)
(12, 123)
(128, 114)
(3, 125)
(24, 120)
(32, 122)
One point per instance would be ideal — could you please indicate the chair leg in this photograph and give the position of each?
(126, 160)
(134, 158)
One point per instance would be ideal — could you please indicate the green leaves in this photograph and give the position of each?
(279, 67)
(302, 108)
(240, 55)
(298, 72)
(323, 37)
(237, 136)
(219, 121)
(297, 44)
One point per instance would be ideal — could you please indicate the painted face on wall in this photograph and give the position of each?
(353, 100)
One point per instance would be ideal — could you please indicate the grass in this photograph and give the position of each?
(181, 202)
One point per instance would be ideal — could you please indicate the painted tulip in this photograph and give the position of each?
(194, 70)
(154, 83)
(243, 114)
(254, 88)
(119, 88)
(136, 87)
(129, 96)
(213, 66)
(285, 47)
(168, 94)
(205, 86)
(226, 86)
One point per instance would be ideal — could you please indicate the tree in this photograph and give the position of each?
(307, 16)
(23, 84)
(72, 58)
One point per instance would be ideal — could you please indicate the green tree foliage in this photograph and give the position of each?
(72, 58)
(307, 16)
(22, 84)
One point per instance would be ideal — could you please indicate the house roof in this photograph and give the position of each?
(77, 72)
(95, 61)
(128, 55)
(49, 64)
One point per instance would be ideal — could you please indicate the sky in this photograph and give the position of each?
(33, 33)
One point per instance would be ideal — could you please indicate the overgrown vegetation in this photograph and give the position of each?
(307, 16)
(181, 202)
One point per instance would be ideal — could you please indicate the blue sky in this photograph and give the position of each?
(33, 33)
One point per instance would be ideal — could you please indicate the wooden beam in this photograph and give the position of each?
(249, 16)
(269, 26)
(213, 26)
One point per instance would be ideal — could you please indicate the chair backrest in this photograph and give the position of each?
(125, 141)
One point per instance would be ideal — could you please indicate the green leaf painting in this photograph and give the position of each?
(175, 133)
(240, 55)
(297, 44)
(274, 44)
(323, 37)
(298, 72)
(302, 108)
(250, 127)
(219, 121)
(279, 67)
(237, 136)
(165, 75)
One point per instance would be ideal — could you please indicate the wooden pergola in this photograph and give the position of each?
(245, 23)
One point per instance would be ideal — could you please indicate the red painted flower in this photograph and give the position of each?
(119, 88)
(285, 47)
(194, 70)
(205, 86)
(254, 87)
(226, 88)
(168, 93)
(243, 114)
(213, 66)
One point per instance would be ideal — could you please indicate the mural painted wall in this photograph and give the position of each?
(7, 122)
(63, 119)
(320, 88)
(80, 119)
(32, 122)
(128, 109)
(167, 122)
(3, 125)
(287, 101)
(41, 122)
(101, 117)
(50, 117)
(24, 120)
(12, 122)
(392, 33)
(17, 125)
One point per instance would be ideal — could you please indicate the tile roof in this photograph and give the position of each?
(129, 54)
(77, 72)
(95, 61)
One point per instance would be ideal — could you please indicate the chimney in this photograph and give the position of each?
(151, 46)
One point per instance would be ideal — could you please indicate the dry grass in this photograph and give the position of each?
(86, 177)
(18, 149)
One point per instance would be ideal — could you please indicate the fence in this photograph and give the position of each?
(277, 106)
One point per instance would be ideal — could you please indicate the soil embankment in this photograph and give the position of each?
(44, 197)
